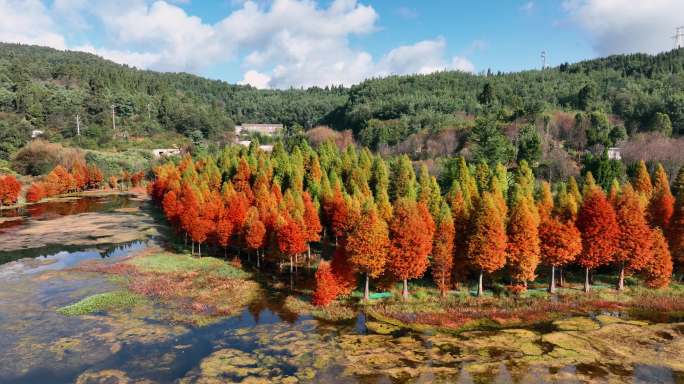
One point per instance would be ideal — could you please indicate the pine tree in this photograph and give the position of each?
(573, 190)
(598, 224)
(487, 245)
(411, 231)
(443, 250)
(634, 240)
(367, 245)
(676, 232)
(523, 241)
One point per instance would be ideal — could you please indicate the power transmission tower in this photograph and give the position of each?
(679, 37)
(543, 59)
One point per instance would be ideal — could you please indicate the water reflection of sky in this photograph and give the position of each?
(66, 259)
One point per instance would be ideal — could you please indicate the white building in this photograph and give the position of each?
(166, 152)
(264, 129)
(36, 133)
(614, 153)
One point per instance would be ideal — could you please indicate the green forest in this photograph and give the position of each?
(607, 99)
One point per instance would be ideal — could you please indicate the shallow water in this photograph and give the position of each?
(37, 345)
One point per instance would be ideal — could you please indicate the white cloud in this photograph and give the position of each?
(278, 44)
(28, 22)
(623, 26)
(256, 79)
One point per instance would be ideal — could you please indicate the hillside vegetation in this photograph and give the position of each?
(43, 88)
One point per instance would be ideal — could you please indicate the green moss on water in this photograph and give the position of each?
(174, 263)
(108, 301)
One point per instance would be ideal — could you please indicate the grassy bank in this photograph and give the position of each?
(192, 289)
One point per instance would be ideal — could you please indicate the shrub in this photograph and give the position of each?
(9, 190)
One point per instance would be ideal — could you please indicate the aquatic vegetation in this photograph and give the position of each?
(107, 301)
(183, 263)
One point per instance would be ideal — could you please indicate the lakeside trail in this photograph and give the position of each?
(83, 310)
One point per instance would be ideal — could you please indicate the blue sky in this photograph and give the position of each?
(283, 43)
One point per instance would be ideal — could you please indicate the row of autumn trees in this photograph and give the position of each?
(389, 224)
(80, 177)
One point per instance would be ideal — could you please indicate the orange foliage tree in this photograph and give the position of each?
(326, 285)
(560, 243)
(9, 190)
(676, 231)
(36, 192)
(367, 245)
(487, 245)
(642, 180)
(634, 239)
(312, 222)
(411, 231)
(255, 232)
(443, 250)
(291, 239)
(598, 224)
(659, 269)
(662, 203)
(523, 241)
(460, 214)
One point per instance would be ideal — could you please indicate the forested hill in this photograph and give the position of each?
(43, 88)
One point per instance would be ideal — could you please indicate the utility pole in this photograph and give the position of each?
(78, 125)
(113, 121)
(543, 60)
(679, 37)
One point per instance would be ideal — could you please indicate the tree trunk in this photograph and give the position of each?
(404, 292)
(552, 285)
(290, 264)
(621, 280)
(561, 277)
(479, 285)
(308, 253)
(225, 252)
(366, 292)
(591, 277)
(199, 249)
(192, 249)
(586, 280)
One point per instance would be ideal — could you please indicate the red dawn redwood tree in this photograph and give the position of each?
(9, 190)
(367, 245)
(255, 232)
(411, 230)
(659, 269)
(523, 241)
(487, 244)
(560, 243)
(326, 285)
(443, 250)
(642, 181)
(291, 239)
(312, 222)
(460, 214)
(634, 240)
(662, 203)
(676, 232)
(597, 223)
